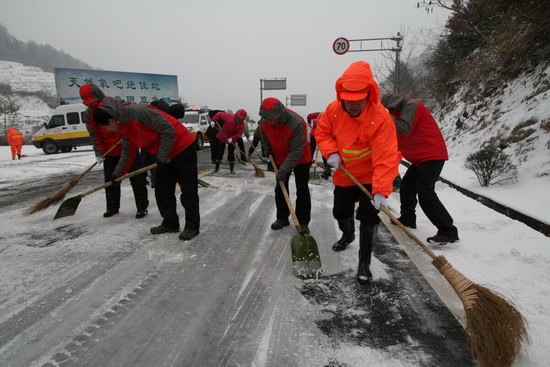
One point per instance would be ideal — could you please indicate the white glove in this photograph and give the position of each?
(334, 160)
(213, 124)
(379, 199)
(99, 160)
(229, 140)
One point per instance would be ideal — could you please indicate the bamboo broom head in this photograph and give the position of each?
(497, 329)
(259, 173)
(52, 199)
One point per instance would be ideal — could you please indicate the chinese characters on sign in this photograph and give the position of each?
(131, 87)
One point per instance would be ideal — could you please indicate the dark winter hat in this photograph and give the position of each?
(213, 113)
(161, 105)
(101, 117)
(241, 114)
(177, 110)
(271, 109)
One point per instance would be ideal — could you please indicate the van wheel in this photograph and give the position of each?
(66, 149)
(199, 141)
(50, 147)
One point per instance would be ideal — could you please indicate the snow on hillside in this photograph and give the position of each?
(33, 110)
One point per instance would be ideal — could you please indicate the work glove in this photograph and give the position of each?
(379, 199)
(230, 140)
(334, 160)
(99, 160)
(113, 179)
(280, 176)
(213, 124)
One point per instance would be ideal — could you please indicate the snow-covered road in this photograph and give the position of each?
(85, 290)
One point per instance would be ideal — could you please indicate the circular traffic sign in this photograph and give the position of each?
(340, 46)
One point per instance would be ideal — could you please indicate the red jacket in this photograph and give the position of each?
(230, 128)
(102, 140)
(418, 135)
(287, 141)
(144, 126)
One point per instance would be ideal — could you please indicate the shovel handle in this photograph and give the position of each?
(128, 175)
(388, 213)
(285, 193)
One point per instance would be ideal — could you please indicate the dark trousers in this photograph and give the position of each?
(255, 141)
(230, 152)
(303, 198)
(344, 204)
(214, 146)
(419, 180)
(139, 187)
(181, 170)
(240, 144)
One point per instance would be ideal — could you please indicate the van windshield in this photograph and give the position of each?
(192, 118)
(56, 121)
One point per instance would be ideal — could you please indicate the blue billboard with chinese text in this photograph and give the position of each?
(131, 87)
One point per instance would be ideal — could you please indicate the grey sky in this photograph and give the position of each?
(220, 49)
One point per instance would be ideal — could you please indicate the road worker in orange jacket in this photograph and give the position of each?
(357, 132)
(15, 138)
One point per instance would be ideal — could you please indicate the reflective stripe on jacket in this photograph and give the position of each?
(367, 143)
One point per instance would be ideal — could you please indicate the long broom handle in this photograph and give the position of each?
(128, 175)
(389, 214)
(95, 163)
(249, 158)
(285, 193)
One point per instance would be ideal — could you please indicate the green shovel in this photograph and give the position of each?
(306, 262)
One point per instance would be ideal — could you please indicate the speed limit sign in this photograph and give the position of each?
(340, 46)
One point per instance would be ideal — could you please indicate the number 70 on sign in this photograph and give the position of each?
(340, 46)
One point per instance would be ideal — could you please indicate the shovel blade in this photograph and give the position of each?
(306, 262)
(68, 207)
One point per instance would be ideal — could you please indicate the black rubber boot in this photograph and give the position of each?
(347, 226)
(368, 237)
(232, 168)
(217, 167)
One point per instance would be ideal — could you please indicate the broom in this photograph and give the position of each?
(497, 329)
(259, 172)
(60, 195)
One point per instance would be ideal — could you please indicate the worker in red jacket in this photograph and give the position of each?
(144, 126)
(102, 141)
(284, 135)
(15, 139)
(422, 144)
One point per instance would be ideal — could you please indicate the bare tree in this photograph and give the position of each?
(7, 107)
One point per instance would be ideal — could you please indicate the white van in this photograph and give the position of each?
(197, 120)
(65, 130)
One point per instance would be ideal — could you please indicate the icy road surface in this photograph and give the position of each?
(89, 291)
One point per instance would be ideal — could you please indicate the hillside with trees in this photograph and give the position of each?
(44, 57)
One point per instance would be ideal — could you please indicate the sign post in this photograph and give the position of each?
(271, 84)
(342, 45)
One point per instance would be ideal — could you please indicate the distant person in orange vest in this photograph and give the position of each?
(15, 138)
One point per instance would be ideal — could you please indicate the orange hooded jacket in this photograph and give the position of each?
(367, 143)
(15, 138)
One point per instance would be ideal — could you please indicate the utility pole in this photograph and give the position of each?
(342, 46)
